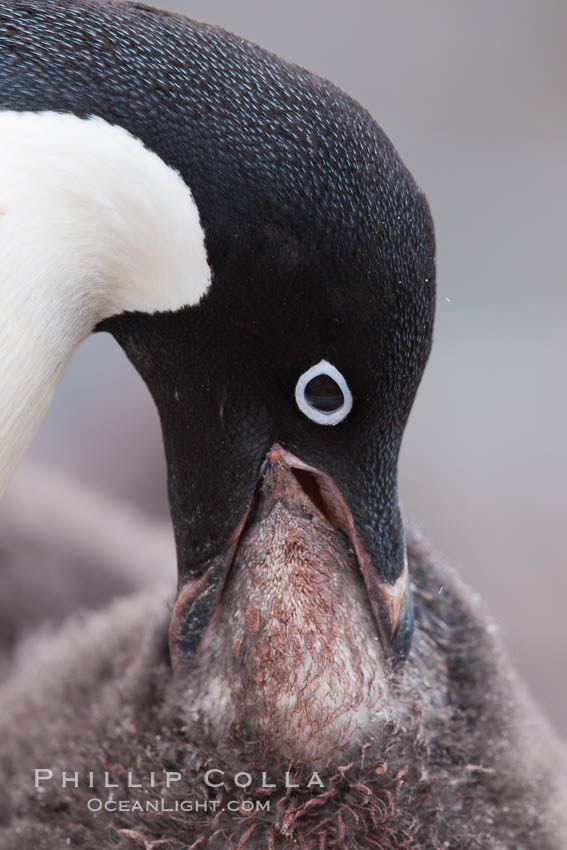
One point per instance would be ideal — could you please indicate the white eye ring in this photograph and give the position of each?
(332, 417)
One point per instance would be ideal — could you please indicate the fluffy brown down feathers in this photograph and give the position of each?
(461, 758)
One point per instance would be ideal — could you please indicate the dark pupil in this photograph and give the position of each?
(324, 394)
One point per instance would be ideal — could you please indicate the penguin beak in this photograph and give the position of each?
(197, 600)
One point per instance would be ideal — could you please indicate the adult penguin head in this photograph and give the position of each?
(314, 323)
(307, 348)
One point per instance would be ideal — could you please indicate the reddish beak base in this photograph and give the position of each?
(198, 598)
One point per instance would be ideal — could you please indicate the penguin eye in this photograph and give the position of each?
(322, 394)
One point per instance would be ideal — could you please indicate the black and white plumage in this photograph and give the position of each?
(313, 229)
(237, 223)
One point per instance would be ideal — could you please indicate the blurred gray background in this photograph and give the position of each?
(474, 96)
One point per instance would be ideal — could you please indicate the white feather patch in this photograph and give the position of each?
(92, 223)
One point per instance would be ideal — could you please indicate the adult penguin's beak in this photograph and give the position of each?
(291, 485)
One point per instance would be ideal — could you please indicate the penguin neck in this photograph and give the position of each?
(38, 335)
(92, 224)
